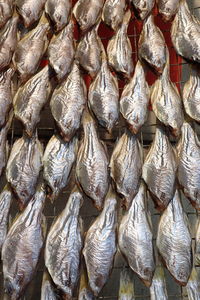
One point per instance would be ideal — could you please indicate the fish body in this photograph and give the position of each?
(143, 7)
(48, 289)
(135, 99)
(5, 202)
(197, 245)
(6, 9)
(193, 286)
(158, 288)
(113, 13)
(84, 291)
(126, 285)
(167, 8)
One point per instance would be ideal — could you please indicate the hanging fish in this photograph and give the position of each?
(151, 46)
(135, 99)
(31, 98)
(143, 7)
(100, 245)
(63, 246)
(6, 9)
(68, 102)
(22, 246)
(158, 290)
(61, 51)
(23, 168)
(193, 286)
(197, 245)
(168, 8)
(135, 238)
(126, 285)
(159, 170)
(113, 13)
(5, 202)
(84, 291)
(48, 291)
(92, 164)
(119, 49)
(126, 166)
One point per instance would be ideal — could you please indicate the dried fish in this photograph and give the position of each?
(135, 238)
(84, 291)
(48, 290)
(113, 13)
(126, 286)
(193, 286)
(143, 7)
(168, 8)
(159, 169)
(158, 288)
(5, 202)
(135, 99)
(197, 245)
(100, 245)
(68, 102)
(6, 8)
(92, 164)
(64, 245)
(174, 241)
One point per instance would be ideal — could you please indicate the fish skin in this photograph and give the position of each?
(159, 169)
(135, 99)
(135, 238)
(22, 247)
(100, 245)
(48, 290)
(174, 242)
(64, 244)
(158, 288)
(68, 102)
(126, 285)
(84, 291)
(143, 7)
(119, 49)
(61, 51)
(113, 13)
(193, 286)
(23, 167)
(92, 164)
(126, 167)
(152, 47)
(197, 245)
(167, 8)
(5, 202)
(31, 98)
(6, 9)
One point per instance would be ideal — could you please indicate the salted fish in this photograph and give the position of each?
(88, 13)
(188, 164)
(100, 245)
(119, 49)
(84, 291)
(159, 169)
(59, 12)
(61, 51)
(193, 286)
(5, 202)
(143, 7)
(197, 245)
(126, 167)
(64, 244)
(113, 13)
(185, 33)
(135, 238)
(135, 99)
(6, 9)
(48, 291)
(126, 285)
(167, 8)
(158, 290)
(23, 168)
(58, 160)
(174, 241)
(92, 164)
(22, 247)
(68, 102)
(31, 98)
(152, 47)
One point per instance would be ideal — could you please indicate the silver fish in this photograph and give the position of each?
(100, 245)
(159, 169)
(31, 98)
(84, 291)
(151, 46)
(61, 51)
(6, 9)
(68, 102)
(92, 164)
(113, 13)
(197, 245)
(5, 202)
(158, 290)
(48, 290)
(168, 8)
(63, 246)
(23, 168)
(59, 12)
(135, 99)
(58, 160)
(119, 49)
(22, 247)
(88, 13)
(193, 286)
(126, 166)
(143, 7)
(174, 241)
(135, 238)
(126, 285)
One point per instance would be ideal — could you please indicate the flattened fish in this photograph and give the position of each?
(159, 169)
(126, 285)
(174, 241)
(84, 291)
(59, 12)
(193, 286)
(58, 160)
(189, 164)
(126, 166)
(92, 164)
(31, 98)
(22, 247)
(152, 47)
(61, 51)
(135, 238)
(68, 102)
(168, 8)
(135, 99)
(113, 13)
(63, 246)
(143, 7)
(119, 49)
(23, 168)
(6, 9)
(48, 289)
(88, 13)
(197, 245)
(158, 290)
(185, 33)
(5, 202)
(100, 245)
